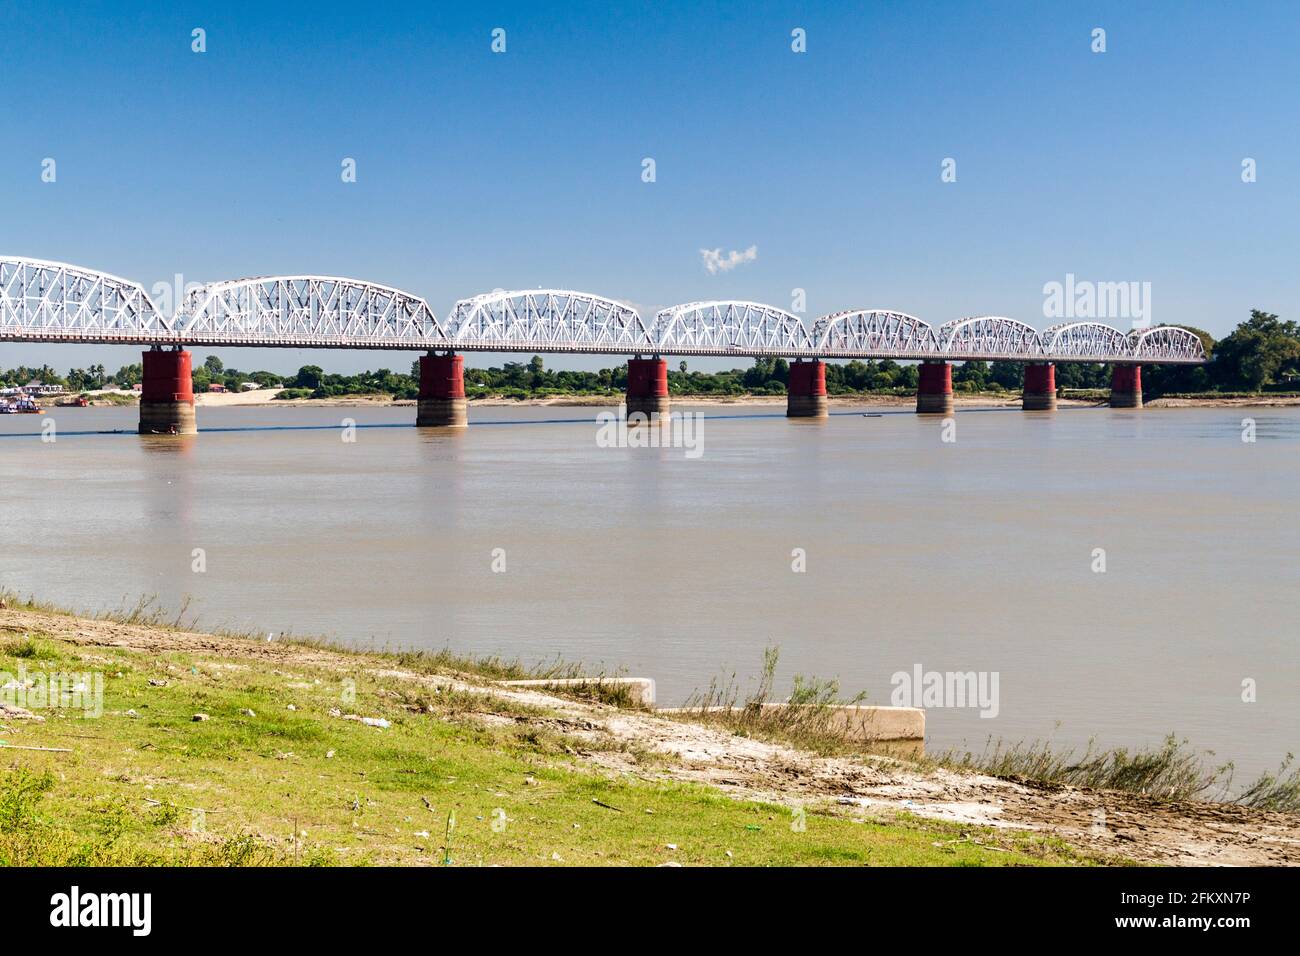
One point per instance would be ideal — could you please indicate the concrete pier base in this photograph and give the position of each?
(441, 402)
(897, 730)
(441, 413)
(1040, 388)
(647, 388)
(934, 389)
(1126, 386)
(167, 393)
(806, 390)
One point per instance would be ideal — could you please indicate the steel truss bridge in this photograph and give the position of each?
(44, 301)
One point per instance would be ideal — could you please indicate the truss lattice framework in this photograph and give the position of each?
(874, 332)
(43, 301)
(1166, 343)
(989, 337)
(1083, 340)
(547, 320)
(307, 311)
(53, 301)
(727, 327)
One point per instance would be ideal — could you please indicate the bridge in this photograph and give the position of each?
(44, 301)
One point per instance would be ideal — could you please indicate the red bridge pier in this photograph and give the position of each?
(1040, 388)
(1126, 386)
(934, 388)
(167, 393)
(647, 387)
(441, 400)
(806, 390)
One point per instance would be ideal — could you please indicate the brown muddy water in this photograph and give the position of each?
(974, 555)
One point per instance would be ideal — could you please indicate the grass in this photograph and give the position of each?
(145, 611)
(805, 723)
(148, 611)
(1173, 771)
(1279, 791)
(276, 776)
(26, 649)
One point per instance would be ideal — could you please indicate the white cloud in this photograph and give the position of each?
(715, 261)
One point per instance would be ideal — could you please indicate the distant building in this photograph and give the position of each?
(216, 387)
(35, 387)
(248, 386)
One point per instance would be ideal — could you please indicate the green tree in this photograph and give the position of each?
(756, 376)
(1010, 375)
(309, 376)
(1257, 353)
(128, 375)
(971, 376)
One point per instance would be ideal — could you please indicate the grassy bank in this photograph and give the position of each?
(1173, 771)
(237, 751)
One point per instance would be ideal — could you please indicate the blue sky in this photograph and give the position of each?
(478, 170)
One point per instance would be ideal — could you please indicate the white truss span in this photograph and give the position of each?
(55, 302)
(1083, 341)
(546, 320)
(724, 328)
(1166, 343)
(989, 337)
(874, 333)
(307, 312)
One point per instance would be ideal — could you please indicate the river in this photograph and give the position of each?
(522, 536)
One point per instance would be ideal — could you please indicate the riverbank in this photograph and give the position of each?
(267, 396)
(218, 748)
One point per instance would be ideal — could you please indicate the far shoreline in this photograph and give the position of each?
(266, 397)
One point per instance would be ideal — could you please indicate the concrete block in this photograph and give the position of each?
(889, 729)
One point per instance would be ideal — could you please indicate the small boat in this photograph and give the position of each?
(23, 406)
